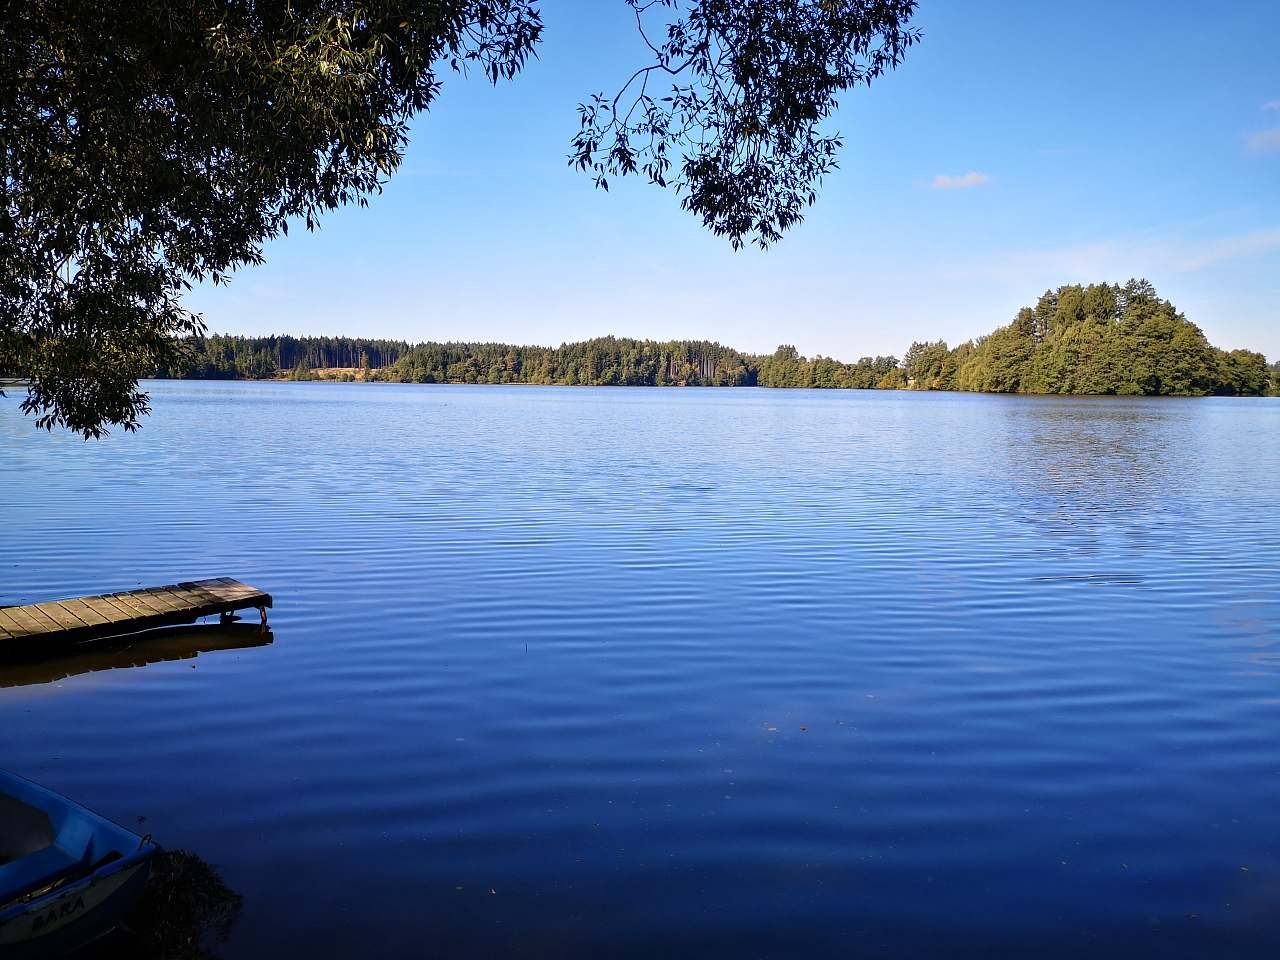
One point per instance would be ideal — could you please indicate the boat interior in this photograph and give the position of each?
(24, 829)
(41, 849)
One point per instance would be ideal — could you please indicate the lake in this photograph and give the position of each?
(571, 672)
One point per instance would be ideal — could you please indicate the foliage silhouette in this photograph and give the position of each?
(151, 144)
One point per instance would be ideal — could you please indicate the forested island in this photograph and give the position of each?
(1096, 339)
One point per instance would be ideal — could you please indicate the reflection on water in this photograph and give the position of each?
(673, 673)
(136, 650)
(186, 912)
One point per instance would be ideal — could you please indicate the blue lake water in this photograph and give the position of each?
(700, 673)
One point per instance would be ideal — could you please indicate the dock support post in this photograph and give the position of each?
(262, 612)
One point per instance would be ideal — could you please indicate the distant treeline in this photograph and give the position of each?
(1099, 339)
(221, 357)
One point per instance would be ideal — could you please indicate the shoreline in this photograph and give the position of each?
(712, 386)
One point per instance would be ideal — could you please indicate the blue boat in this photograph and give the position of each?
(67, 875)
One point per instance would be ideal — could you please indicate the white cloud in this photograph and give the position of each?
(1271, 105)
(1116, 258)
(1233, 248)
(964, 182)
(1265, 141)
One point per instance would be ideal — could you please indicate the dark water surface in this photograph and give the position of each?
(683, 673)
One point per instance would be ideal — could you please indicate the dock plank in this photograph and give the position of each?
(186, 597)
(41, 617)
(84, 612)
(159, 598)
(78, 619)
(108, 609)
(62, 618)
(20, 622)
(136, 603)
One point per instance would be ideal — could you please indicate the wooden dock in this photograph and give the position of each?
(60, 622)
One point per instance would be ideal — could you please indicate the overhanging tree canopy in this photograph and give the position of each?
(149, 144)
(737, 130)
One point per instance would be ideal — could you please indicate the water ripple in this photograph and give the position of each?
(637, 673)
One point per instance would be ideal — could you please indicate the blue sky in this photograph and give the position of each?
(1021, 146)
